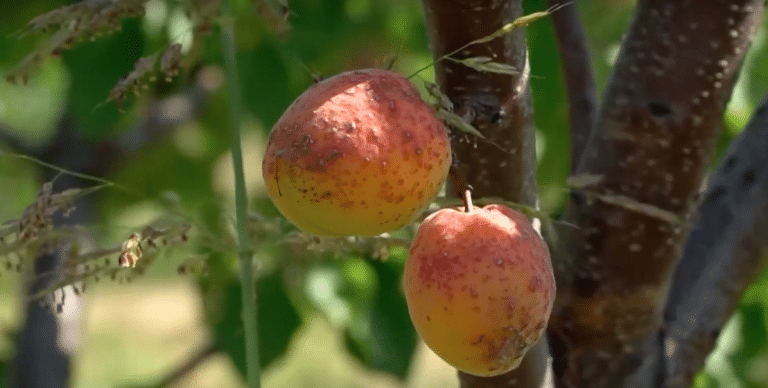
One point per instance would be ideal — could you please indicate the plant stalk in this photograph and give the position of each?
(244, 247)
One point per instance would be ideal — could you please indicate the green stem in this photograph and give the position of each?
(244, 248)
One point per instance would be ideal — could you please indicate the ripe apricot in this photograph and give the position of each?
(479, 287)
(356, 154)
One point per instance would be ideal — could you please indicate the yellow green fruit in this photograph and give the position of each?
(479, 287)
(356, 154)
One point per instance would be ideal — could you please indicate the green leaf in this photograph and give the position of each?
(3, 370)
(754, 344)
(387, 339)
(277, 317)
(453, 120)
(278, 320)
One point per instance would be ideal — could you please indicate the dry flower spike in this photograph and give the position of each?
(38, 216)
(72, 24)
(131, 252)
(144, 71)
(135, 255)
(22, 240)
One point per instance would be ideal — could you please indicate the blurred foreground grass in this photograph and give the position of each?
(135, 334)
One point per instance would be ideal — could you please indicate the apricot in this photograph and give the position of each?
(356, 154)
(479, 287)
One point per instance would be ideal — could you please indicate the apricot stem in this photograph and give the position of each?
(468, 207)
(460, 185)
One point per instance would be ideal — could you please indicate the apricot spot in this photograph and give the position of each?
(351, 139)
(494, 271)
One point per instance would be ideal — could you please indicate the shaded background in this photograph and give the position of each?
(327, 320)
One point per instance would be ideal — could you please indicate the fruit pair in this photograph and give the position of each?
(362, 154)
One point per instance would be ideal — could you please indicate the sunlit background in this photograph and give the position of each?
(329, 321)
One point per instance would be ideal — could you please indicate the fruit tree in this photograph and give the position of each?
(277, 155)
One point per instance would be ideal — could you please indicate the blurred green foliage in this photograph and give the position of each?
(360, 296)
(382, 336)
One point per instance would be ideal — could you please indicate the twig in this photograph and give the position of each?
(194, 361)
(76, 174)
(579, 77)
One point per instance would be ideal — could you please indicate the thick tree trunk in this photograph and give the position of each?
(640, 178)
(43, 360)
(50, 338)
(500, 107)
(723, 254)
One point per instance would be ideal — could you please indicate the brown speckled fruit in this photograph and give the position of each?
(356, 154)
(479, 287)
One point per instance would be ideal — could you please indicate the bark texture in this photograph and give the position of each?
(646, 159)
(500, 107)
(723, 254)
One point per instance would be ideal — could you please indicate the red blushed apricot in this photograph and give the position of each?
(479, 287)
(356, 154)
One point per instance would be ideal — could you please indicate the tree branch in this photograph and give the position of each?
(654, 138)
(723, 254)
(499, 106)
(579, 76)
(189, 365)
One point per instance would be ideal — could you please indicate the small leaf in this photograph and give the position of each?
(486, 64)
(457, 122)
(636, 206)
(584, 180)
(445, 113)
(434, 91)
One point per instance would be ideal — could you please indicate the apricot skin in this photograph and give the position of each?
(479, 287)
(356, 154)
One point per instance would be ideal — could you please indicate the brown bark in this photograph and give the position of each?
(653, 141)
(499, 106)
(723, 254)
